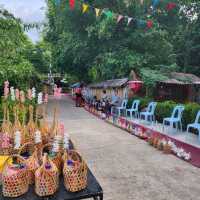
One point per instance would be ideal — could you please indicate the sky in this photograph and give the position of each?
(29, 11)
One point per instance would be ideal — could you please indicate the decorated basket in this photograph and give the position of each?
(167, 149)
(46, 178)
(56, 158)
(6, 147)
(74, 172)
(15, 178)
(31, 159)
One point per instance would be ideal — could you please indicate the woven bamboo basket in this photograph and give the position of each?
(6, 134)
(46, 178)
(32, 161)
(75, 174)
(56, 159)
(167, 149)
(15, 179)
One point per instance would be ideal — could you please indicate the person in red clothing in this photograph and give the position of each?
(78, 97)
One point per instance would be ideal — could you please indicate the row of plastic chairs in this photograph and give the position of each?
(175, 121)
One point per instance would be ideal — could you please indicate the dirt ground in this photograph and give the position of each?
(126, 167)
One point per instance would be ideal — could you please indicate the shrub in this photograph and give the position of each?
(164, 109)
(144, 101)
(190, 113)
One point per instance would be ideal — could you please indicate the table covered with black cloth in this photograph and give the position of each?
(93, 190)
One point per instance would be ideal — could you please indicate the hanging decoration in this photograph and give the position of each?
(85, 8)
(129, 20)
(57, 2)
(108, 13)
(97, 11)
(141, 23)
(149, 24)
(120, 17)
(170, 6)
(71, 4)
(155, 4)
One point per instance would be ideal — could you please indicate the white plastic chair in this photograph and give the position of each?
(175, 118)
(119, 109)
(196, 124)
(134, 109)
(149, 114)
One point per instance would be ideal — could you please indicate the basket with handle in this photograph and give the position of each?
(15, 178)
(56, 158)
(46, 178)
(6, 147)
(32, 162)
(74, 171)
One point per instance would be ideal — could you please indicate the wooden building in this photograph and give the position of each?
(121, 85)
(180, 87)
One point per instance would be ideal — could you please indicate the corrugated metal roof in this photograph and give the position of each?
(182, 78)
(114, 83)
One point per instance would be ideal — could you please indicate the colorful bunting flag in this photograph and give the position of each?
(120, 17)
(97, 11)
(170, 6)
(108, 13)
(85, 7)
(141, 23)
(155, 3)
(149, 24)
(129, 20)
(57, 2)
(71, 4)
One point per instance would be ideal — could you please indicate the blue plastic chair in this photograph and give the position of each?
(195, 125)
(119, 109)
(149, 114)
(134, 109)
(175, 118)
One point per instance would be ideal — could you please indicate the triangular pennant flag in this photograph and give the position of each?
(57, 2)
(108, 13)
(97, 11)
(120, 17)
(71, 4)
(129, 20)
(149, 24)
(85, 7)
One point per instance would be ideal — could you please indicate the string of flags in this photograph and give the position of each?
(119, 17)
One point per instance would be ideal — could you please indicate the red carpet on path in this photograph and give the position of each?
(195, 151)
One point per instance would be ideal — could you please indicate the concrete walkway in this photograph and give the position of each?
(127, 167)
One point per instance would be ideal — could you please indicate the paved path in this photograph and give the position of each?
(127, 167)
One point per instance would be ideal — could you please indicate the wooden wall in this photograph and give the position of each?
(109, 91)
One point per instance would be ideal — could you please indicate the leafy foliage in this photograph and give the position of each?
(14, 64)
(98, 49)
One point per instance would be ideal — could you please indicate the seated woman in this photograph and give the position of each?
(115, 101)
